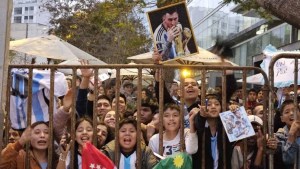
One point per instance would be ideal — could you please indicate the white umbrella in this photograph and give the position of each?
(94, 61)
(145, 58)
(133, 73)
(204, 57)
(50, 47)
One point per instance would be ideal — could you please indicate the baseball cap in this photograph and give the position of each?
(255, 119)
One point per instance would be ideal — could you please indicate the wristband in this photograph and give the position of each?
(61, 157)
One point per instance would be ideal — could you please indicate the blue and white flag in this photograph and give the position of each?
(40, 95)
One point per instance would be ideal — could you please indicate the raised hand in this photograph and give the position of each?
(86, 72)
(156, 57)
(25, 136)
(294, 131)
(260, 139)
(150, 130)
(64, 150)
(173, 33)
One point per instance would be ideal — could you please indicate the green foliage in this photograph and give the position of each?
(251, 4)
(162, 3)
(111, 30)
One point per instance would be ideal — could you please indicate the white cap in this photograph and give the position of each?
(255, 119)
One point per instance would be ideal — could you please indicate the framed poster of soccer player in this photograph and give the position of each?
(172, 31)
(237, 124)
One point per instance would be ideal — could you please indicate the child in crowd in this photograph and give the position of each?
(254, 147)
(110, 119)
(104, 135)
(208, 125)
(128, 143)
(83, 134)
(171, 134)
(14, 135)
(287, 135)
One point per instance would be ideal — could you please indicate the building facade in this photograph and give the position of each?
(247, 33)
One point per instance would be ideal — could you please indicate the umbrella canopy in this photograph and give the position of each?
(145, 58)
(50, 47)
(204, 57)
(132, 73)
(94, 61)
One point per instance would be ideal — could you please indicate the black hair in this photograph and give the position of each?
(121, 95)
(257, 104)
(170, 10)
(214, 96)
(150, 104)
(33, 125)
(104, 97)
(252, 90)
(172, 106)
(128, 114)
(20, 131)
(285, 103)
(76, 152)
(128, 121)
(148, 93)
(110, 134)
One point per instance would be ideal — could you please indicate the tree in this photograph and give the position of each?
(286, 10)
(162, 3)
(110, 30)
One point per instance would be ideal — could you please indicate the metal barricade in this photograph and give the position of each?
(203, 69)
(283, 55)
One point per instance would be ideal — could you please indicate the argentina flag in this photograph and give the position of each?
(40, 95)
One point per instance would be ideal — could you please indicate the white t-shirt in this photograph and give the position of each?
(172, 146)
(68, 160)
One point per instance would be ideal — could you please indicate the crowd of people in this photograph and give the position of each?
(203, 129)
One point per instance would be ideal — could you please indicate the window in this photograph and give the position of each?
(26, 8)
(25, 17)
(287, 34)
(276, 38)
(18, 11)
(30, 17)
(31, 8)
(17, 19)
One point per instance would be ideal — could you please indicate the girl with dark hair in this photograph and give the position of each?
(128, 142)
(83, 134)
(208, 124)
(13, 156)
